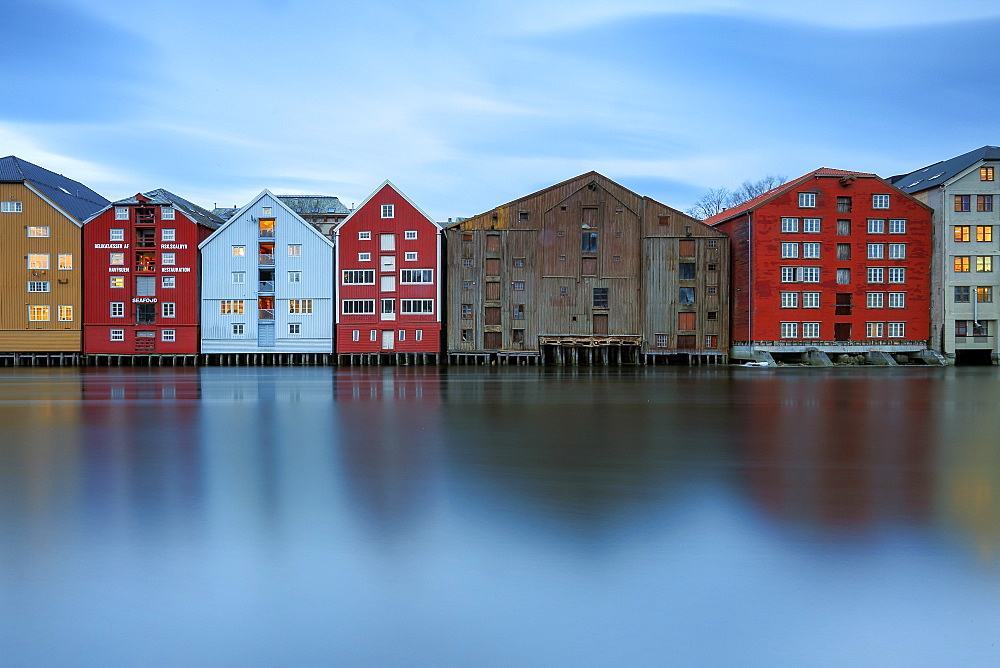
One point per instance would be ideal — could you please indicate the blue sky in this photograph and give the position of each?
(468, 105)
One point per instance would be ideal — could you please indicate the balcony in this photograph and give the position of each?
(266, 233)
(266, 259)
(145, 267)
(265, 286)
(265, 314)
(843, 309)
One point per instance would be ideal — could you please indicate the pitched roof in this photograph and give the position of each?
(385, 184)
(319, 204)
(937, 173)
(71, 196)
(249, 205)
(749, 205)
(199, 215)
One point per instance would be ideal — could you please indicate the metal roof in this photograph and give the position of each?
(939, 172)
(201, 216)
(71, 196)
(314, 204)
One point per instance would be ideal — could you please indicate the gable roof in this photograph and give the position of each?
(239, 214)
(74, 198)
(399, 192)
(777, 191)
(196, 213)
(318, 204)
(939, 172)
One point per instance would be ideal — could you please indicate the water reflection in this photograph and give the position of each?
(598, 516)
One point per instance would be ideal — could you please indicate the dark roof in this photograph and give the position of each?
(201, 216)
(749, 205)
(314, 204)
(71, 196)
(939, 172)
(225, 212)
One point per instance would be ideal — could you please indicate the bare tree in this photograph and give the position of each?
(718, 200)
(750, 189)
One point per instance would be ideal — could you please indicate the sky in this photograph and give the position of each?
(468, 105)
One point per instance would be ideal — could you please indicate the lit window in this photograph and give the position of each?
(169, 258)
(811, 225)
(896, 330)
(65, 260)
(897, 226)
(300, 306)
(410, 234)
(789, 330)
(230, 306)
(789, 300)
(810, 300)
(239, 251)
(364, 257)
(116, 258)
(265, 211)
(876, 300)
(876, 225)
(984, 233)
(65, 313)
(168, 335)
(984, 202)
(117, 281)
(38, 312)
(169, 309)
(985, 173)
(294, 250)
(880, 201)
(387, 211)
(116, 234)
(963, 202)
(364, 236)
(984, 294)
(121, 213)
(810, 330)
(169, 282)
(789, 224)
(897, 300)
(897, 274)
(961, 263)
(117, 334)
(168, 234)
(984, 263)
(38, 231)
(961, 232)
(789, 250)
(38, 286)
(874, 330)
(807, 200)
(38, 260)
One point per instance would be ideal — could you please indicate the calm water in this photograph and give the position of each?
(539, 517)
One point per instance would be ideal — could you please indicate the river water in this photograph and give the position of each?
(500, 517)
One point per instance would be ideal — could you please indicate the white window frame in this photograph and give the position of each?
(120, 280)
(238, 329)
(116, 234)
(168, 234)
(364, 257)
(294, 329)
(897, 300)
(810, 300)
(64, 261)
(811, 225)
(810, 330)
(116, 259)
(117, 309)
(169, 259)
(410, 235)
(388, 211)
(880, 201)
(897, 251)
(807, 200)
(424, 306)
(875, 330)
(11, 207)
(809, 274)
(875, 300)
(875, 275)
(39, 286)
(897, 226)
(294, 250)
(239, 251)
(790, 275)
(356, 335)
(295, 276)
(811, 250)
(789, 224)
(365, 235)
(357, 277)
(239, 277)
(897, 275)
(419, 335)
(168, 335)
(876, 251)
(789, 330)
(300, 306)
(169, 309)
(121, 213)
(117, 335)
(357, 307)
(410, 256)
(876, 226)
(168, 282)
(37, 231)
(374, 335)
(789, 249)
(65, 313)
(167, 213)
(895, 330)
(38, 261)
(789, 300)
(416, 276)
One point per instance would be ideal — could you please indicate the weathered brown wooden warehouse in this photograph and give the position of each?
(586, 272)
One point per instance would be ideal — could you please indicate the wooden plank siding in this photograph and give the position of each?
(17, 333)
(543, 264)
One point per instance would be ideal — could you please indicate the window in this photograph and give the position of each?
(420, 334)
(295, 277)
(713, 243)
(410, 235)
(963, 202)
(789, 224)
(876, 251)
(387, 212)
(519, 262)
(466, 285)
(168, 335)
(402, 335)
(38, 286)
(294, 328)
(589, 242)
(844, 228)
(302, 305)
(117, 334)
(961, 232)
(789, 250)
(65, 261)
(118, 281)
(358, 277)
(810, 300)
(711, 315)
(356, 335)
(876, 226)
(962, 294)
(875, 330)
(38, 312)
(167, 213)
(843, 276)
(984, 263)
(116, 258)
(810, 330)
(408, 276)
(984, 202)
(168, 234)
(843, 205)
(876, 300)
(896, 330)
(466, 237)
(810, 250)
(810, 225)
(810, 274)
(364, 236)
(374, 335)
(984, 233)
(518, 285)
(712, 289)
(789, 274)
(294, 250)
(897, 274)
(518, 313)
(169, 282)
(117, 234)
(466, 311)
(685, 295)
(466, 335)
(517, 336)
(711, 340)
(563, 290)
(121, 213)
(601, 297)
(897, 226)
(238, 328)
(961, 263)
(897, 300)
(467, 261)
(985, 173)
(984, 294)
(978, 329)
(789, 330)
(410, 256)
(230, 306)
(880, 201)
(10, 207)
(876, 275)
(897, 251)
(416, 306)
(65, 313)
(843, 251)
(38, 231)
(661, 340)
(686, 270)
(239, 277)
(364, 257)
(169, 258)
(807, 200)
(789, 300)
(169, 309)
(355, 306)
(239, 251)
(41, 260)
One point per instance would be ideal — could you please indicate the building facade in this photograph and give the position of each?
(587, 271)
(41, 282)
(388, 289)
(267, 283)
(324, 212)
(142, 275)
(834, 262)
(965, 307)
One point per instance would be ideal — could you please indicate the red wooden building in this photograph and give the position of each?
(142, 276)
(831, 263)
(388, 286)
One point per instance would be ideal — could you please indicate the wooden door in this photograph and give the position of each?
(600, 323)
